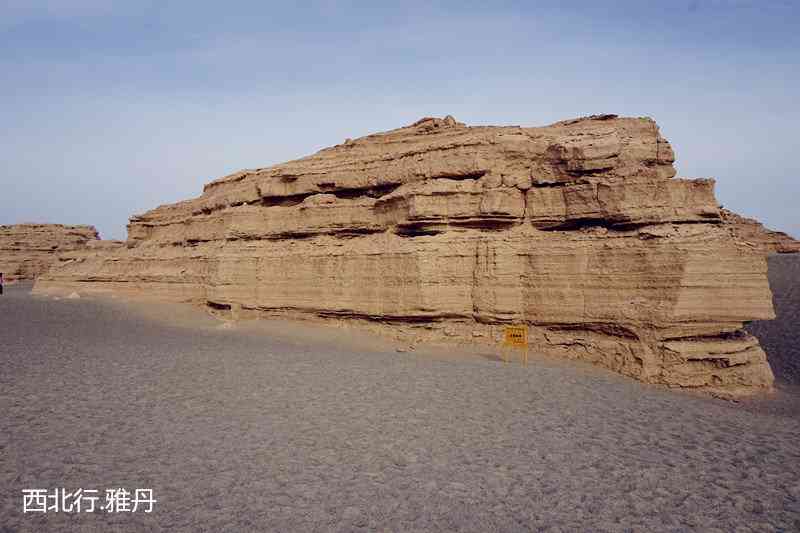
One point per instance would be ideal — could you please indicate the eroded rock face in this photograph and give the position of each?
(27, 250)
(754, 234)
(578, 229)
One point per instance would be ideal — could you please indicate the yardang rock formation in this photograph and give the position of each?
(578, 229)
(27, 250)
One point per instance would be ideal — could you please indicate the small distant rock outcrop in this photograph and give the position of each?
(578, 229)
(27, 250)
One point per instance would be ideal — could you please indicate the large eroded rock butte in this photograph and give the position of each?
(578, 229)
(27, 250)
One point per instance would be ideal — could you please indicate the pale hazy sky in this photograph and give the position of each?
(110, 108)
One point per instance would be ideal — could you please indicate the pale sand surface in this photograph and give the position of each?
(296, 427)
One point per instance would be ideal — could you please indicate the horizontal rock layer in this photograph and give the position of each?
(754, 234)
(577, 229)
(27, 250)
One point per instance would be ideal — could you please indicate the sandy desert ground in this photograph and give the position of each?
(282, 427)
(781, 337)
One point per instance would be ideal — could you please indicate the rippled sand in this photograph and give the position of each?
(275, 428)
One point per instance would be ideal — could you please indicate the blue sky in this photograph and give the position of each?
(111, 108)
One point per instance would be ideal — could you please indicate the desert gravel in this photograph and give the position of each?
(237, 428)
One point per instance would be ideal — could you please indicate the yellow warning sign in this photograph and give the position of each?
(515, 337)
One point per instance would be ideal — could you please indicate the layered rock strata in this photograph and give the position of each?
(27, 250)
(756, 235)
(578, 229)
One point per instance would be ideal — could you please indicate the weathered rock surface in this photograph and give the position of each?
(753, 233)
(27, 250)
(577, 229)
